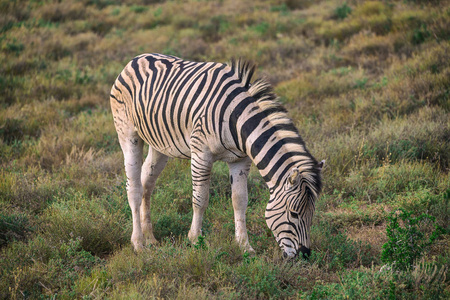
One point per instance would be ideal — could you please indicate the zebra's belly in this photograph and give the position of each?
(184, 152)
(176, 149)
(171, 151)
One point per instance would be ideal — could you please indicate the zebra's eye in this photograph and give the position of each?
(294, 215)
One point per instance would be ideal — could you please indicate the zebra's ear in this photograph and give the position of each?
(295, 176)
(321, 165)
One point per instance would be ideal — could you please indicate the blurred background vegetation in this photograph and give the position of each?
(366, 82)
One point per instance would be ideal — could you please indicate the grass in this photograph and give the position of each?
(366, 83)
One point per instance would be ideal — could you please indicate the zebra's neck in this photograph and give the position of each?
(269, 138)
(275, 152)
(260, 127)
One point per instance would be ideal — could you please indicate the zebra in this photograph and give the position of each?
(207, 111)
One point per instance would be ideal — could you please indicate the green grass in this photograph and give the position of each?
(366, 82)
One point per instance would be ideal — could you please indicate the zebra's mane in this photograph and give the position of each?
(262, 92)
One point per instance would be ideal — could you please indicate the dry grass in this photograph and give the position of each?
(366, 82)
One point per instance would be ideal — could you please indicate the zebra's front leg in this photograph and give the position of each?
(238, 176)
(152, 167)
(201, 165)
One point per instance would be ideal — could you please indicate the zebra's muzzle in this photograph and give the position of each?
(306, 252)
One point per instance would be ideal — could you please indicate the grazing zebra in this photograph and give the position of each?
(207, 111)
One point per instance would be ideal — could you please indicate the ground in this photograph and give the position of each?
(366, 83)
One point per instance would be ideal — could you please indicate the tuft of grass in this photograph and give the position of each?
(13, 227)
(334, 250)
(43, 268)
(173, 225)
(356, 284)
(98, 224)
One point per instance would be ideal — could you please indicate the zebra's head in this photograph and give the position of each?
(291, 208)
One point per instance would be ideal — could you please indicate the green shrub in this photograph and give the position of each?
(201, 244)
(420, 34)
(408, 238)
(341, 12)
(138, 9)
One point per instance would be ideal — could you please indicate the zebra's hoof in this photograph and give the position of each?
(138, 248)
(250, 251)
(152, 242)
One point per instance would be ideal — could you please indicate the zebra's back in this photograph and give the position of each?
(167, 98)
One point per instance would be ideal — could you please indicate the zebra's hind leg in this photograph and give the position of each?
(152, 167)
(132, 147)
(201, 165)
(239, 194)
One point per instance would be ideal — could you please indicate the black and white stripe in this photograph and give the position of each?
(206, 112)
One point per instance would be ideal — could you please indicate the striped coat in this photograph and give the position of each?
(207, 111)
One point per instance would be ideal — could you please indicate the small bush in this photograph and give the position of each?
(138, 9)
(420, 34)
(408, 238)
(341, 12)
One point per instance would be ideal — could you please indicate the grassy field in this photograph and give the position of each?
(366, 82)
